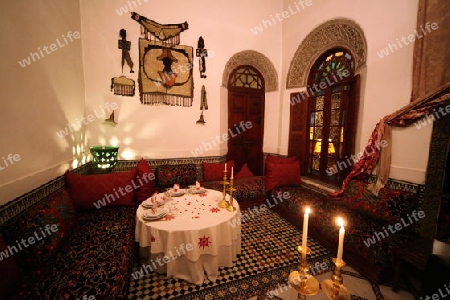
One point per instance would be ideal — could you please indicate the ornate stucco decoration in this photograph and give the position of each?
(256, 60)
(331, 34)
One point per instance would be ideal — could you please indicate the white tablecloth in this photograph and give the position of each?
(192, 240)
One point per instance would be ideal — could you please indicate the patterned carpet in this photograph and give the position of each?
(269, 253)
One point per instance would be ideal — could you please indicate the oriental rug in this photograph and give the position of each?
(269, 253)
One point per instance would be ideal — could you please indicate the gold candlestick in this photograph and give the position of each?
(231, 189)
(334, 288)
(302, 280)
(224, 203)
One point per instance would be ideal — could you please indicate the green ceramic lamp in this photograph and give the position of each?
(104, 157)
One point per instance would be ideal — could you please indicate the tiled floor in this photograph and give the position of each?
(269, 254)
(354, 284)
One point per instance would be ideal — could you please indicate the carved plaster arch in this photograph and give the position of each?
(331, 34)
(256, 60)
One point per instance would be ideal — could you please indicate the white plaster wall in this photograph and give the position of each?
(169, 131)
(73, 82)
(39, 99)
(386, 82)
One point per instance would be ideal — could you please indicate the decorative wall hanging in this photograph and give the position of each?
(111, 120)
(169, 34)
(165, 67)
(125, 46)
(203, 101)
(203, 106)
(163, 75)
(201, 120)
(202, 53)
(122, 86)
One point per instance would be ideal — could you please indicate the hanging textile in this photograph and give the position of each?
(168, 34)
(165, 67)
(122, 86)
(430, 107)
(431, 50)
(165, 74)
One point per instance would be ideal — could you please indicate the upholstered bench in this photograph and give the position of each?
(368, 246)
(73, 237)
(88, 254)
(249, 189)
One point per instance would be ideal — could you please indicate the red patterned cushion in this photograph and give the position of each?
(244, 172)
(145, 181)
(214, 171)
(101, 190)
(182, 174)
(282, 172)
(389, 205)
(277, 159)
(43, 228)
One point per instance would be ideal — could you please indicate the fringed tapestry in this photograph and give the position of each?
(169, 34)
(165, 74)
(165, 67)
(122, 86)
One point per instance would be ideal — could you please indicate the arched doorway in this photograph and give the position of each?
(337, 34)
(331, 118)
(246, 89)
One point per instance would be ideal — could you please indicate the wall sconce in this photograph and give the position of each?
(104, 157)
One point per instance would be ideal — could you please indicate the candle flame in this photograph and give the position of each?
(307, 210)
(340, 221)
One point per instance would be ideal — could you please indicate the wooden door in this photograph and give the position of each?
(297, 127)
(246, 119)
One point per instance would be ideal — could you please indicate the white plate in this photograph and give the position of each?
(147, 204)
(159, 213)
(154, 218)
(177, 194)
(200, 191)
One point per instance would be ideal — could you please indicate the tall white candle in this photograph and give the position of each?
(232, 172)
(225, 166)
(340, 223)
(305, 229)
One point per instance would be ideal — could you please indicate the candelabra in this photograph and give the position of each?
(231, 189)
(224, 203)
(334, 288)
(302, 280)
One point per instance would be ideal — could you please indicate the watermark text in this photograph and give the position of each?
(34, 56)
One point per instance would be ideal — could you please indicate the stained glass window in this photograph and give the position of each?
(246, 77)
(329, 85)
(333, 68)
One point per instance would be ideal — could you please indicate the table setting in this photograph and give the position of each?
(188, 216)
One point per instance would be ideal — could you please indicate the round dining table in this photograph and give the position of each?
(193, 238)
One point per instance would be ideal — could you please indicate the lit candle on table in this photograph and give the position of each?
(225, 166)
(340, 223)
(305, 229)
(232, 173)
